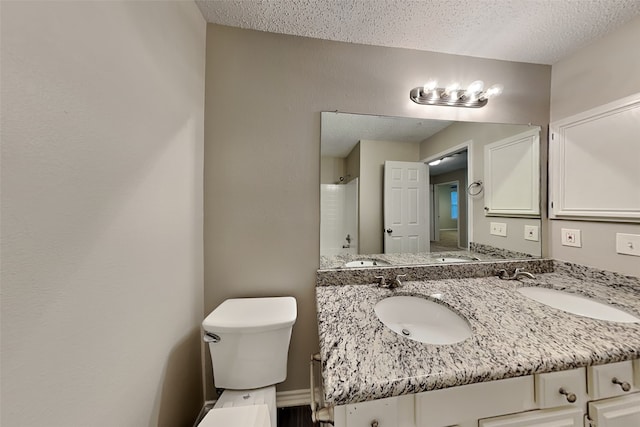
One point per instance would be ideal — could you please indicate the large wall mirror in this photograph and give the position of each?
(406, 191)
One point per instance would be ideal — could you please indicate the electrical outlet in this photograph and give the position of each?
(531, 232)
(571, 237)
(628, 244)
(498, 229)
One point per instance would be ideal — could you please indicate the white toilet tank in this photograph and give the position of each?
(254, 335)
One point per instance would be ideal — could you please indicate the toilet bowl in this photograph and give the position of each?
(249, 342)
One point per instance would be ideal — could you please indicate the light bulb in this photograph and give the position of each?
(474, 89)
(453, 87)
(435, 162)
(494, 90)
(451, 92)
(430, 85)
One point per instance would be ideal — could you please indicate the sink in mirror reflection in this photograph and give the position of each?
(577, 304)
(448, 217)
(367, 263)
(457, 259)
(422, 320)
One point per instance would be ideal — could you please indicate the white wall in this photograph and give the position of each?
(602, 72)
(262, 152)
(102, 163)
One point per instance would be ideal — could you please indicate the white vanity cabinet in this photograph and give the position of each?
(613, 379)
(563, 417)
(623, 411)
(463, 406)
(597, 396)
(564, 388)
(389, 412)
(614, 390)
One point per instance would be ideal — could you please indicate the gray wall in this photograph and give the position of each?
(444, 207)
(459, 175)
(597, 74)
(483, 134)
(102, 157)
(373, 154)
(262, 152)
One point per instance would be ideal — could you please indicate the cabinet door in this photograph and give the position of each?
(512, 175)
(570, 417)
(621, 411)
(593, 163)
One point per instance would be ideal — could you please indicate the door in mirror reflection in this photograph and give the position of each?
(406, 214)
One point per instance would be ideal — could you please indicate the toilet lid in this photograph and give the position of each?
(237, 416)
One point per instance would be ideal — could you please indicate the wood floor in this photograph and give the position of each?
(295, 416)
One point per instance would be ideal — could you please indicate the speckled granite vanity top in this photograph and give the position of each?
(512, 335)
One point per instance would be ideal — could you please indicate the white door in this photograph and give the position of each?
(623, 411)
(406, 207)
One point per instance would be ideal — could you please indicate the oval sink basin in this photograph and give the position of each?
(366, 263)
(422, 320)
(577, 304)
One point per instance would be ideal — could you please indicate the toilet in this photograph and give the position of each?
(249, 342)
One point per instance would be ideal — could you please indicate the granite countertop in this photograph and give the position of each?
(512, 335)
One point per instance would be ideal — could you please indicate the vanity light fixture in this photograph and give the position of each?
(435, 162)
(475, 96)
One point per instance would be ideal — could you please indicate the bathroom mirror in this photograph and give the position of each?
(406, 191)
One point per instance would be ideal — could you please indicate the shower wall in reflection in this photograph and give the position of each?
(339, 218)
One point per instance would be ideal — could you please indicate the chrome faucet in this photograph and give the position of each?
(502, 274)
(395, 284)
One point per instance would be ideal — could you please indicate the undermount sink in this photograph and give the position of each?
(422, 320)
(577, 304)
(367, 263)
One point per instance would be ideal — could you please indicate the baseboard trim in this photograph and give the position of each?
(293, 398)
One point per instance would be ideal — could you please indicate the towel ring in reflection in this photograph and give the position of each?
(478, 184)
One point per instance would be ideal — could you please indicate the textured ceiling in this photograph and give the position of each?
(342, 131)
(535, 31)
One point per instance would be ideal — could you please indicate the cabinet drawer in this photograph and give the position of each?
(610, 380)
(566, 417)
(390, 412)
(561, 388)
(464, 405)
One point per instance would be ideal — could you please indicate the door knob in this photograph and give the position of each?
(389, 231)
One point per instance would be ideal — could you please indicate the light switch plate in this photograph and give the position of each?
(498, 229)
(628, 244)
(571, 237)
(532, 232)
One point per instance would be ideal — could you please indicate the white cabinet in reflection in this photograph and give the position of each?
(512, 175)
